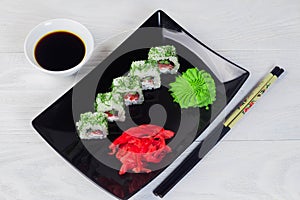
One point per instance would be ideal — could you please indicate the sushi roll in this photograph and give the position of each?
(130, 88)
(112, 105)
(148, 73)
(166, 58)
(92, 126)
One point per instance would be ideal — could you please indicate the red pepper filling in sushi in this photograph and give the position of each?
(111, 113)
(140, 145)
(165, 65)
(132, 96)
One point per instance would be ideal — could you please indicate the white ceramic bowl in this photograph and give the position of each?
(58, 25)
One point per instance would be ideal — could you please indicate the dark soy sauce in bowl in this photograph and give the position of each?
(58, 51)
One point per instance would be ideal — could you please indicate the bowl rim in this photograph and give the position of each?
(57, 20)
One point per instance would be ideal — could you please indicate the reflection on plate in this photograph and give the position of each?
(57, 123)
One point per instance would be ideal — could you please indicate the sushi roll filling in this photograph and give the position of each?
(131, 96)
(112, 113)
(97, 132)
(111, 104)
(92, 126)
(148, 80)
(165, 65)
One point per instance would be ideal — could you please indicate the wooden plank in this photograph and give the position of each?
(244, 170)
(275, 115)
(233, 170)
(247, 25)
(31, 170)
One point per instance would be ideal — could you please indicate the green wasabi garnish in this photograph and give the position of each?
(194, 89)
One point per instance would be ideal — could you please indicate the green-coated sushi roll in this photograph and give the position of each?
(148, 72)
(92, 125)
(112, 104)
(166, 58)
(130, 88)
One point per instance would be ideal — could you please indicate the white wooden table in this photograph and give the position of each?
(258, 160)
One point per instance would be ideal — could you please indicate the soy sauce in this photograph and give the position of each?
(59, 51)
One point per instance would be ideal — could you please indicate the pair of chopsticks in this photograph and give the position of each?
(216, 135)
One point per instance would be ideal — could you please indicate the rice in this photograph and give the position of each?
(165, 53)
(130, 88)
(112, 105)
(92, 126)
(148, 72)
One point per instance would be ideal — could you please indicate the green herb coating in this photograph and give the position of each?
(162, 51)
(93, 119)
(107, 101)
(92, 122)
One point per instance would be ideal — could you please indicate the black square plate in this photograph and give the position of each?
(57, 123)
